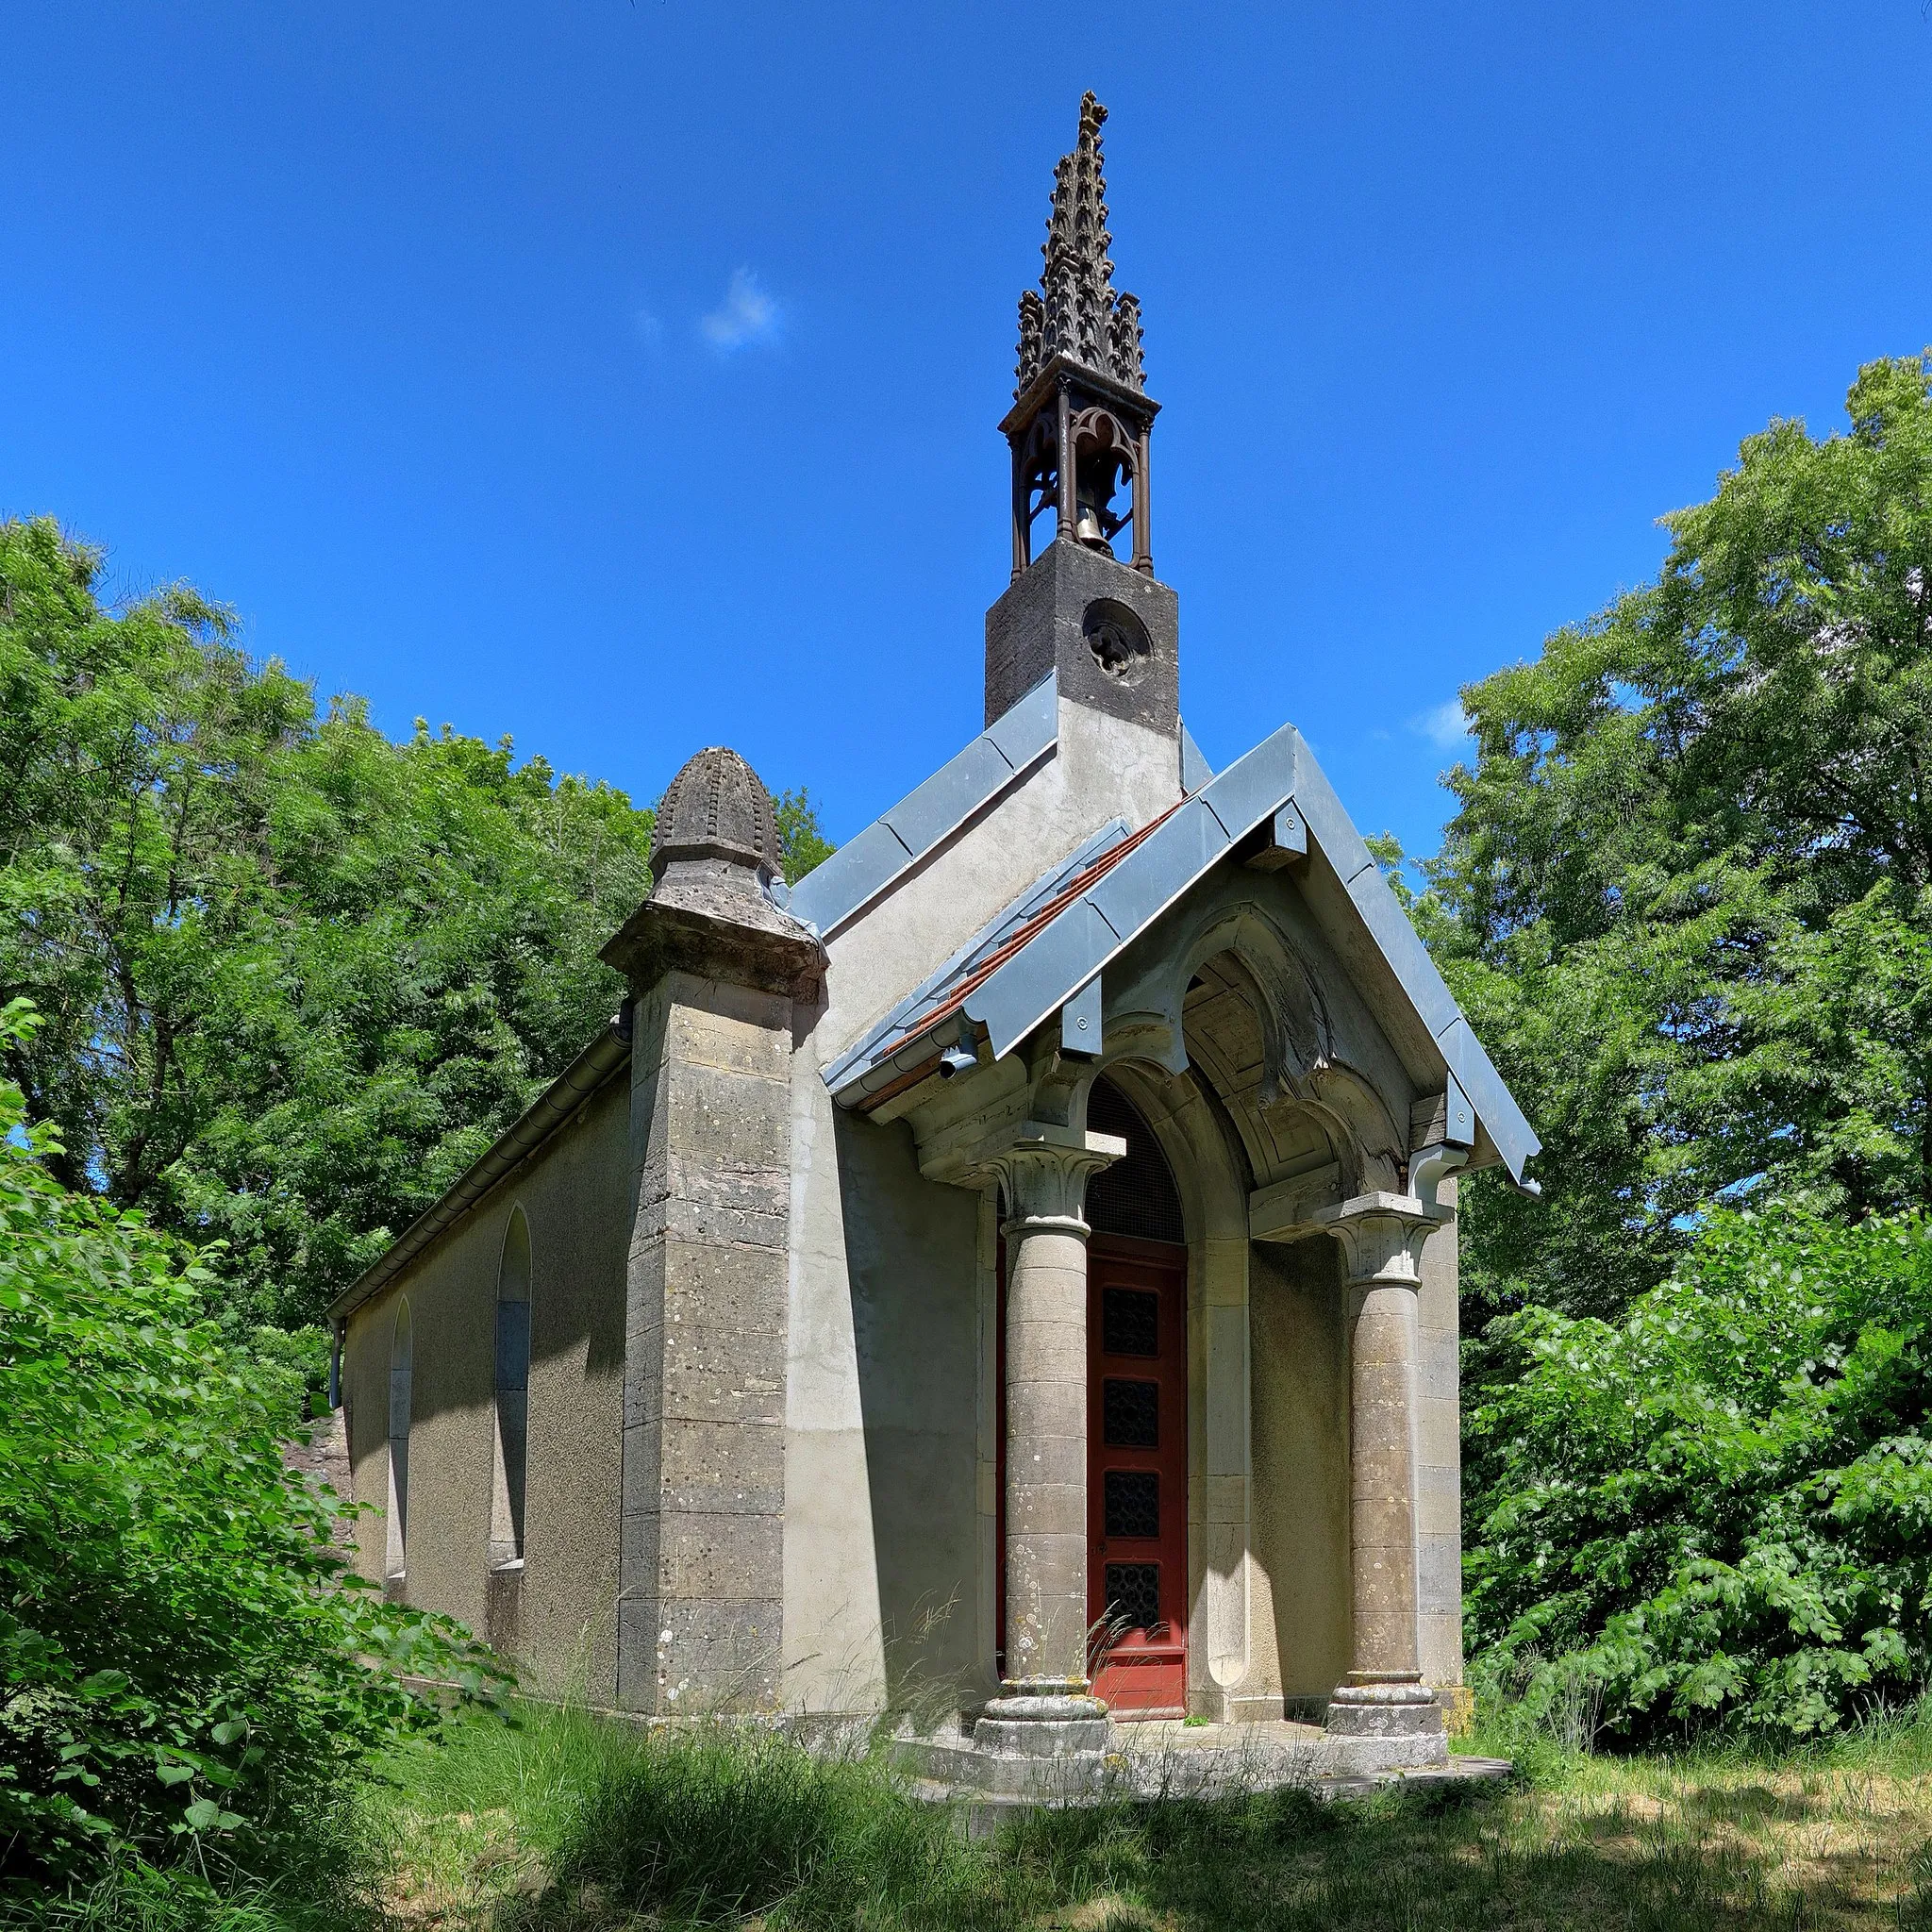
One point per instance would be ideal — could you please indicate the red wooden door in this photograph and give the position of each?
(1137, 1472)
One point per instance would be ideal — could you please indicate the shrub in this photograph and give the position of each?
(1720, 1508)
(183, 1660)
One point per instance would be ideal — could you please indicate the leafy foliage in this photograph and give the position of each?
(295, 977)
(1721, 1504)
(181, 1653)
(1687, 898)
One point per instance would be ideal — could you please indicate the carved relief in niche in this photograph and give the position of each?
(1116, 637)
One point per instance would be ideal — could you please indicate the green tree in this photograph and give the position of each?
(1720, 1505)
(1687, 896)
(182, 1656)
(295, 977)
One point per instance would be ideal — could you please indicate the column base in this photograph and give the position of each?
(1044, 1718)
(1397, 1719)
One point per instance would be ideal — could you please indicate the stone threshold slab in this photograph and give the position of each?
(979, 1813)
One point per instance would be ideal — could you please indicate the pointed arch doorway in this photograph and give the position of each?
(1137, 1422)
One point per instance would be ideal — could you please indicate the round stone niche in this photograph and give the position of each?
(1117, 637)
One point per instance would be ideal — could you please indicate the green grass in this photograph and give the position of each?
(566, 1821)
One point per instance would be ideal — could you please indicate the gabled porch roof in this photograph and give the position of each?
(1049, 944)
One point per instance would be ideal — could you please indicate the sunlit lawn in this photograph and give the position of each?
(567, 1822)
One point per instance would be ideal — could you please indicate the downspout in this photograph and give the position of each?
(335, 1363)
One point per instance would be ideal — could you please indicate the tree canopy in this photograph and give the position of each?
(1686, 902)
(294, 976)
(1687, 896)
(181, 1651)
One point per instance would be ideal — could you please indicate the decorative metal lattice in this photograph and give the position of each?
(1129, 1321)
(1133, 1502)
(1133, 1596)
(1131, 1414)
(1135, 1195)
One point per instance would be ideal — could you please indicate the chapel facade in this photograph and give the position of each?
(1011, 1274)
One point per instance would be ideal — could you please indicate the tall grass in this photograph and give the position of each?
(566, 1820)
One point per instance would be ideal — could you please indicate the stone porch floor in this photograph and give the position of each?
(1171, 1760)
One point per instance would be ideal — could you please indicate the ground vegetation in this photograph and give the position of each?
(186, 1672)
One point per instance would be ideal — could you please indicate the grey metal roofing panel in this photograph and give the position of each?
(1064, 954)
(1196, 770)
(1342, 844)
(1496, 1106)
(1136, 894)
(950, 796)
(1024, 730)
(903, 1022)
(1037, 979)
(1409, 958)
(1257, 783)
(859, 870)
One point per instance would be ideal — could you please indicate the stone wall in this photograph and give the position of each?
(1300, 1446)
(574, 1196)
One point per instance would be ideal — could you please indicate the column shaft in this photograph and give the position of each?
(1383, 1700)
(1046, 1453)
(1382, 1487)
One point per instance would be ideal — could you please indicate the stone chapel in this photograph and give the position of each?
(1011, 1273)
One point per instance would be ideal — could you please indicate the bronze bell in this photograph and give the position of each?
(1086, 526)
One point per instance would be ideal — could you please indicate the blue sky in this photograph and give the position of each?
(624, 377)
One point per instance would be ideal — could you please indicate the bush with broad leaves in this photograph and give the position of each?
(183, 1656)
(1719, 1509)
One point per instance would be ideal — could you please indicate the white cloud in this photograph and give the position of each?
(1445, 727)
(747, 315)
(650, 331)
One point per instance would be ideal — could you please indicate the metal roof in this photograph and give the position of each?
(963, 787)
(857, 873)
(1048, 944)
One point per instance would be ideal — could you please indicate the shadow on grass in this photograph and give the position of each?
(725, 1827)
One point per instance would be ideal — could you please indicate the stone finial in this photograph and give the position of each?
(717, 809)
(1076, 313)
(716, 874)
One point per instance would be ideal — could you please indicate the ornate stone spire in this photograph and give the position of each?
(1076, 312)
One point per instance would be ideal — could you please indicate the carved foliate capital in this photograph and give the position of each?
(1382, 1236)
(1044, 1175)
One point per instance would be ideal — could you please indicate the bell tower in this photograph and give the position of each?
(1080, 430)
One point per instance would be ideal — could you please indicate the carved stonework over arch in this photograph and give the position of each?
(1234, 999)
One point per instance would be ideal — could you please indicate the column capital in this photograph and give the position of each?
(1044, 1172)
(1382, 1236)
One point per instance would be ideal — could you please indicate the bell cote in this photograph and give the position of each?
(1080, 430)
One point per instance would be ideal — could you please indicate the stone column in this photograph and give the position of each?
(1044, 1707)
(1384, 1706)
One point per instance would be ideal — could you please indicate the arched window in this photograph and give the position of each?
(1137, 1195)
(512, 1394)
(400, 1394)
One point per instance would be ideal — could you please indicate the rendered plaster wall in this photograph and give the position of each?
(1102, 768)
(883, 1596)
(1300, 1448)
(574, 1196)
(1439, 1460)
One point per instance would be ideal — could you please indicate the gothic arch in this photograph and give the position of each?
(1302, 1080)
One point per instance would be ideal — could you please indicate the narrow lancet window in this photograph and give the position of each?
(512, 1394)
(400, 1397)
